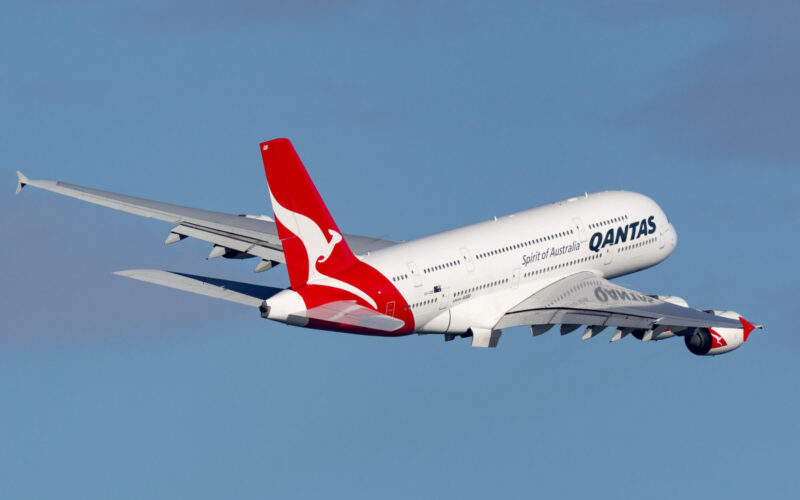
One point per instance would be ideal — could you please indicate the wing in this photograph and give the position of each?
(245, 236)
(585, 299)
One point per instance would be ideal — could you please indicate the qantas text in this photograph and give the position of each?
(621, 234)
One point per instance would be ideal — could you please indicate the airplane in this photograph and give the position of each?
(539, 268)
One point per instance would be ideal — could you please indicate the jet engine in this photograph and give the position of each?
(713, 341)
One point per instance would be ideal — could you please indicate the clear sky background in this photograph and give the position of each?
(412, 117)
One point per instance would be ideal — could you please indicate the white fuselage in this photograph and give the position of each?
(470, 276)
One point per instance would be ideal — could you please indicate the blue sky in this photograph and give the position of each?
(412, 117)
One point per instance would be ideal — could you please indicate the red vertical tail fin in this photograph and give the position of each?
(322, 268)
(312, 243)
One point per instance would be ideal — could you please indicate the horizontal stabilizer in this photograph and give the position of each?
(347, 312)
(233, 291)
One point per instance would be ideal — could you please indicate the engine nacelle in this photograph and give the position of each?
(713, 341)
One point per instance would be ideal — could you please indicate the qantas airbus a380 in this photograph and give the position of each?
(541, 267)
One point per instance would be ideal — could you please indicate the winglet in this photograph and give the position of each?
(748, 327)
(21, 181)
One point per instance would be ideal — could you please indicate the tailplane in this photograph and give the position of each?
(232, 291)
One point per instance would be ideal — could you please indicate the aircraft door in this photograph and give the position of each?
(608, 255)
(467, 256)
(580, 229)
(415, 275)
(515, 278)
(444, 299)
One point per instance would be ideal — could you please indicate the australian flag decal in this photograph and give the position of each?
(437, 289)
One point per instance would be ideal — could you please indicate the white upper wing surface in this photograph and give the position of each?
(586, 299)
(256, 237)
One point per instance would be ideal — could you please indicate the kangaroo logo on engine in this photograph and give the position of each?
(621, 234)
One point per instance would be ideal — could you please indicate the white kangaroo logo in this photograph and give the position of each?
(335, 238)
(317, 246)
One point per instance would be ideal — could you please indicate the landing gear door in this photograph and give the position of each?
(415, 275)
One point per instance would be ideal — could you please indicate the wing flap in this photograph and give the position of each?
(571, 317)
(241, 244)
